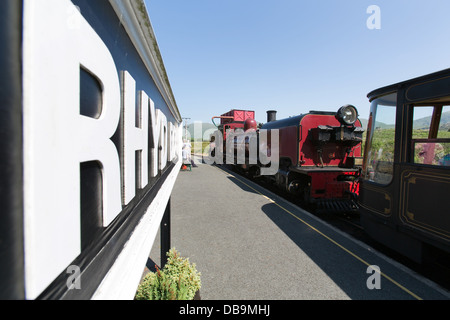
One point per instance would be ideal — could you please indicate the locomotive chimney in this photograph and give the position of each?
(271, 115)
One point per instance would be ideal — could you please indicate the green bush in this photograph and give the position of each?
(178, 280)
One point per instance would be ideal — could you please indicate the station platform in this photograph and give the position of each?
(250, 244)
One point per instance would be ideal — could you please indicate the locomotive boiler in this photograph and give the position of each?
(318, 153)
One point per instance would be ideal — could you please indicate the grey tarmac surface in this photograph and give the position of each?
(250, 244)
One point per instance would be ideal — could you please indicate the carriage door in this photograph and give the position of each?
(425, 177)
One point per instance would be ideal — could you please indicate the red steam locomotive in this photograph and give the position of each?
(317, 154)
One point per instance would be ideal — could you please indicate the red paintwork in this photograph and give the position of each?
(288, 143)
(230, 126)
(333, 154)
(297, 146)
(234, 119)
(238, 115)
(325, 185)
(249, 124)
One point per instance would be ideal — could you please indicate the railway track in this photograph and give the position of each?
(436, 269)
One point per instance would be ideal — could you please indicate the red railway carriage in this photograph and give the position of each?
(233, 119)
(319, 153)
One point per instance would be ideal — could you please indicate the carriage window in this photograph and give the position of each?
(444, 124)
(431, 135)
(422, 121)
(379, 150)
(434, 153)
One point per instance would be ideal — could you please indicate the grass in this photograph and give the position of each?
(384, 139)
(204, 145)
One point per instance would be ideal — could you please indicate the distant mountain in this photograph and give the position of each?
(422, 123)
(381, 125)
(203, 129)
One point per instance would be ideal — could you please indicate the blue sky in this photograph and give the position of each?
(293, 55)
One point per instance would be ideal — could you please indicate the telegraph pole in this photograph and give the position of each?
(185, 127)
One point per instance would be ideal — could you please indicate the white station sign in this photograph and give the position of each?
(58, 43)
